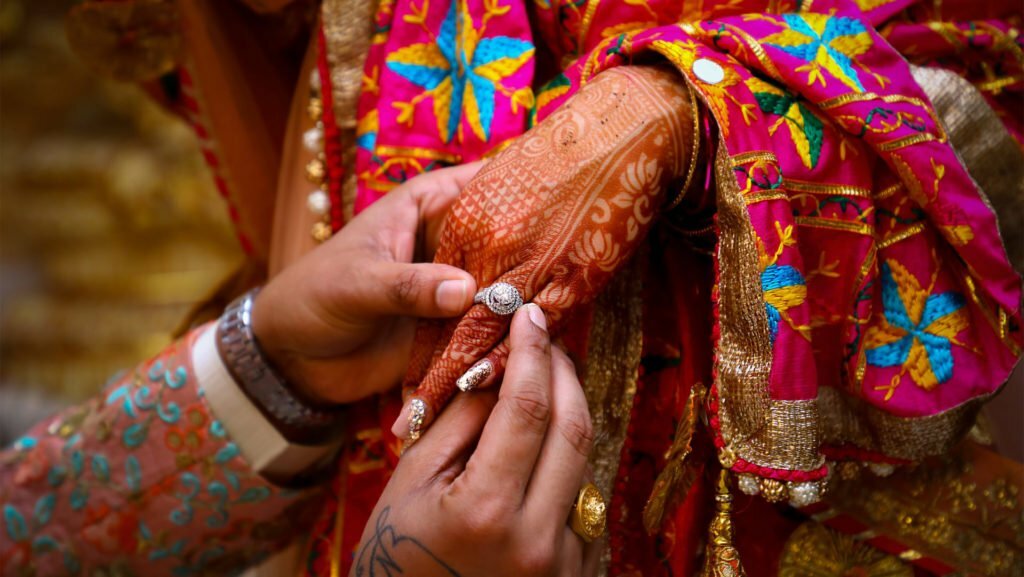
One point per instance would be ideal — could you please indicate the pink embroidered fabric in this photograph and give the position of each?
(857, 260)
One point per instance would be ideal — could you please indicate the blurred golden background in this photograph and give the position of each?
(110, 227)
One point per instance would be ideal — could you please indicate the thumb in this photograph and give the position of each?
(425, 290)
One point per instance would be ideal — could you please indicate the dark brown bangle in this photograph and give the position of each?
(298, 420)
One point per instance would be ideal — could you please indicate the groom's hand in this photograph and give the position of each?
(338, 323)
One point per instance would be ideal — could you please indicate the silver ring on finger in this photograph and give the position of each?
(502, 298)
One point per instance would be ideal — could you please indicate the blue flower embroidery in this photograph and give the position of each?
(461, 71)
(823, 41)
(784, 289)
(917, 330)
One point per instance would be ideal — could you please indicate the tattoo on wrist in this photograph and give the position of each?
(388, 553)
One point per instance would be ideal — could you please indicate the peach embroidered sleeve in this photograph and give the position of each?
(143, 479)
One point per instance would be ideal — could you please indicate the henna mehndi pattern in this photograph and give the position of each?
(557, 213)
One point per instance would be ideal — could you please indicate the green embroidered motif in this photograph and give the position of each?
(806, 129)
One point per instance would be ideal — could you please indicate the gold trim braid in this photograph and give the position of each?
(348, 29)
(611, 373)
(763, 431)
(846, 419)
(744, 355)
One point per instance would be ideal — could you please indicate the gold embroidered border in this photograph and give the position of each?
(832, 224)
(914, 229)
(744, 355)
(846, 419)
(998, 320)
(778, 434)
(764, 196)
(789, 439)
(866, 267)
(907, 141)
(348, 26)
(754, 156)
(758, 51)
(588, 18)
(414, 152)
(823, 188)
(694, 150)
(867, 96)
(891, 98)
(889, 191)
(373, 183)
(989, 153)
(612, 369)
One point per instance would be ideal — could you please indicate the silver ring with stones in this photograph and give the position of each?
(501, 297)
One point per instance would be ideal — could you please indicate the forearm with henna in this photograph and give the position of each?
(557, 214)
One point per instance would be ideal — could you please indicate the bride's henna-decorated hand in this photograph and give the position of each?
(554, 215)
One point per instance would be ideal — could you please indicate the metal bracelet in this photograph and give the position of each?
(297, 419)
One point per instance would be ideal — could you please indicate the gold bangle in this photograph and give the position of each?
(695, 108)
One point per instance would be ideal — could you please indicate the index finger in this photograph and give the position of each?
(435, 208)
(416, 207)
(514, 434)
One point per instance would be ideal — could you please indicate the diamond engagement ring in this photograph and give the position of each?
(501, 297)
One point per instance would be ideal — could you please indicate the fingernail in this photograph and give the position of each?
(537, 316)
(417, 414)
(400, 428)
(451, 295)
(476, 374)
(413, 413)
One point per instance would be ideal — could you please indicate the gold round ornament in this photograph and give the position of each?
(589, 513)
(773, 491)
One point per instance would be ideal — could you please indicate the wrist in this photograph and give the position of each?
(282, 358)
(298, 417)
